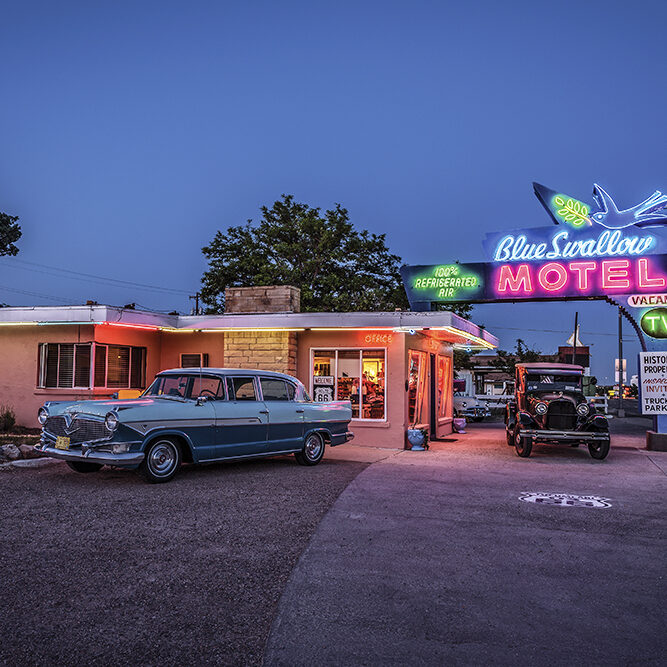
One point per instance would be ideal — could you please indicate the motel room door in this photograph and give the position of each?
(432, 392)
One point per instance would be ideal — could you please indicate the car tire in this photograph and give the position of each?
(522, 444)
(509, 436)
(312, 452)
(599, 449)
(84, 466)
(161, 461)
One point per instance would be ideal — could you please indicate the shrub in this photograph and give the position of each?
(7, 419)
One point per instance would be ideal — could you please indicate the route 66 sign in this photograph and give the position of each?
(563, 499)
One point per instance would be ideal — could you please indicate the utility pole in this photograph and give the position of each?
(196, 298)
(621, 411)
(574, 338)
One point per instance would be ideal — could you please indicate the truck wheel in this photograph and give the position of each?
(522, 444)
(599, 449)
(84, 466)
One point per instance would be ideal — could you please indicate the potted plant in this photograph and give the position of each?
(418, 438)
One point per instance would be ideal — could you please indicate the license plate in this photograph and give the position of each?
(62, 442)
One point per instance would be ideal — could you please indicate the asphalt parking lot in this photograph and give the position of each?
(376, 556)
(103, 569)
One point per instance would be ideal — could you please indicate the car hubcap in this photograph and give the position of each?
(162, 458)
(313, 447)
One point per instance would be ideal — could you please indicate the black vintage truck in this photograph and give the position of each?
(549, 406)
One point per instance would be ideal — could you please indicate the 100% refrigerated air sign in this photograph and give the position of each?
(653, 375)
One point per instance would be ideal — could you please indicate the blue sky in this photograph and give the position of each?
(131, 132)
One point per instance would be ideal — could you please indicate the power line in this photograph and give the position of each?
(37, 294)
(558, 331)
(77, 275)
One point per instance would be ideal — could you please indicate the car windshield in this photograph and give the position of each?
(185, 386)
(553, 382)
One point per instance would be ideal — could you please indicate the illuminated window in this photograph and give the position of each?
(70, 366)
(416, 386)
(444, 386)
(351, 375)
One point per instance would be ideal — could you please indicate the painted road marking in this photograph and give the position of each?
(563, 499)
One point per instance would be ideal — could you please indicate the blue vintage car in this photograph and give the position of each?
(194, 416)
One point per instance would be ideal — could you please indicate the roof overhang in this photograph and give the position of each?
(441, 325)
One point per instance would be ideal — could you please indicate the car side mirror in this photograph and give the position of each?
(201, 400)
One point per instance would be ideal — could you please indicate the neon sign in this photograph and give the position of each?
(654, 323)
(595, 256)
(513, 248)
(647, 300)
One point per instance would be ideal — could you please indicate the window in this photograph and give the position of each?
(84, 365)
(64, 365)
(351, 375)
(274, 389)
(416, 386)
(187, 386)
(241, 389)
(195, 360)
(444, 386)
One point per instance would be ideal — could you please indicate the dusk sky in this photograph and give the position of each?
(131, 132)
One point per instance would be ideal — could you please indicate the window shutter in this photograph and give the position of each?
(138, 368)
(100, 365)
(118, 372)
(51, 379)
(194, 360)
(66, 365)
(82, 366)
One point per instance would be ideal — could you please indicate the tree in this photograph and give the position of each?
(506, 361)
(462, 360)
(337, 267)
(10, 232)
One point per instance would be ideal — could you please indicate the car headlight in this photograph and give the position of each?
(541, 408)
(464, 404)
(42, 415)
(582, 409)
(111, 421)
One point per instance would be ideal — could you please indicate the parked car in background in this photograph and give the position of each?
(549, 407)
(469, 407)
(195, 416)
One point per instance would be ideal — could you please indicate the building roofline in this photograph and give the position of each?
(442, 324)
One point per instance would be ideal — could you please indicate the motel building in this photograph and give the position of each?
(395, 367)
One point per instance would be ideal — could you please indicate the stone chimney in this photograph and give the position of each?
(263, 350)
(273, 299)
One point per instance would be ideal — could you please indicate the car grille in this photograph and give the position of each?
(561, 416)
(80, 429)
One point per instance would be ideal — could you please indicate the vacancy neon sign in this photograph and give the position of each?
(577, 278)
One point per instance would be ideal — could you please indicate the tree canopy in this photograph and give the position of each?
(10, 232)
(337, 267)
(506, 361)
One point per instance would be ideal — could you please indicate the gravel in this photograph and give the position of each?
(104, 569)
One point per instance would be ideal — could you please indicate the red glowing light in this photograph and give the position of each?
(582, 270)
(546, 270)
(515, 283)
(616, 274)
(643, 278)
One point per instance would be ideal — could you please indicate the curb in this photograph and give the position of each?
(30, 463)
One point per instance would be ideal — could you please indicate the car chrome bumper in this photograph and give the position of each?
(126, 459)
(538, 434)
(349, 436)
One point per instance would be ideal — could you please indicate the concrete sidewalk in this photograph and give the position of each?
(431, 558)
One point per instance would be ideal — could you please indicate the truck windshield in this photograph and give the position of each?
(553, 382)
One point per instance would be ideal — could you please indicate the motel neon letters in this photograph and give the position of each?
(577, 278)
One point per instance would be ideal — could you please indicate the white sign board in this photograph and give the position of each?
(653, 379)
(647, 300)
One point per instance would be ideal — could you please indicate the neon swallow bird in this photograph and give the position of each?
(565, 209)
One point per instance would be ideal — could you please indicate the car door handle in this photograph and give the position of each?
(263, 412)
(300, 410)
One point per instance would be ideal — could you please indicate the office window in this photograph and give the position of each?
(352, 375)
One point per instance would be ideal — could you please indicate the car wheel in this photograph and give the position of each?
(509, 435)
(312, 452)
(599, 449)
(522, 444)
(161, 461)
(84, 466)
